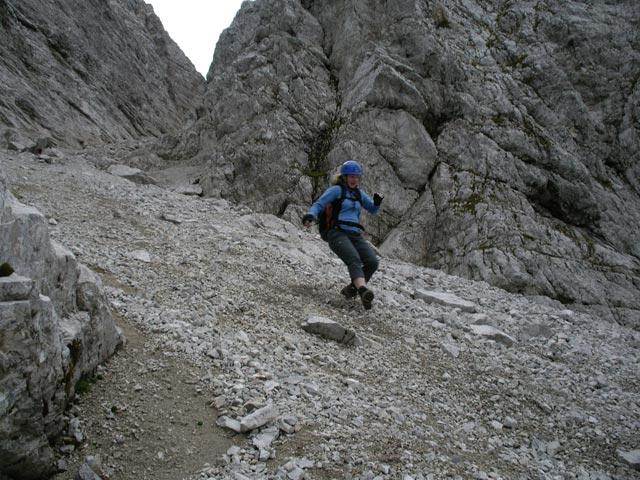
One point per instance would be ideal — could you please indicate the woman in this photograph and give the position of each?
(344, 238)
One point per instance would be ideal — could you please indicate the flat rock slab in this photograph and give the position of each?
(255, 419)
(15, 287)
(493, 333)
(631, 458)
(448, 299)
(258, 418)
(140, 255)
(230, 423)
(195, 190)
(134, 175)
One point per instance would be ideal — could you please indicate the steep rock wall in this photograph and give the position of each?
(505, 135)
(77, 72)
(272, 107)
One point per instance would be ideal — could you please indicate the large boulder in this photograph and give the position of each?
(55, 328)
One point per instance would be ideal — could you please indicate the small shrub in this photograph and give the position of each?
(6, 270)
(83, 386)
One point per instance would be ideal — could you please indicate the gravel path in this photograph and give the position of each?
(478, 383)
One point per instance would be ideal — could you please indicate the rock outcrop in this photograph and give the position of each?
(505, 135)
(76, 72)
(55, 328)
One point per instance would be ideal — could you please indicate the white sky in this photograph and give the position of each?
(195, 25)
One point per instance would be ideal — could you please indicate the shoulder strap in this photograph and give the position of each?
(343, 192)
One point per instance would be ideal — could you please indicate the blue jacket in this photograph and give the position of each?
(350, 211)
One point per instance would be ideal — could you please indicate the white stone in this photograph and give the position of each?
(447, 299)
(258, 418)
(493, 333)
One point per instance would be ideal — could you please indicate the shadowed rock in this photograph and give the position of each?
(329, 329)
(447, 299)
(77, 72)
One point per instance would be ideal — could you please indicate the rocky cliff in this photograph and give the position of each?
(505, 134)
(76, 72)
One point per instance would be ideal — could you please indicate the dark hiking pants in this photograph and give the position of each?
(355, 252)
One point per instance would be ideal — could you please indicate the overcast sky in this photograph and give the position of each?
(195, 25)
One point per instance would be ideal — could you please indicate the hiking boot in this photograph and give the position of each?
(350, 291)
(366, 296)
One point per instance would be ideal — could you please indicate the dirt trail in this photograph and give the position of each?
(148, 416)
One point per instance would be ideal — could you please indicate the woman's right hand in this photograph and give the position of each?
(307, 220)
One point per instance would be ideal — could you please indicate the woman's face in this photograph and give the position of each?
(352, 180)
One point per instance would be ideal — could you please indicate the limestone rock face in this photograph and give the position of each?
(55, 327)
(504, 135)
(78, 72)
(273, 107)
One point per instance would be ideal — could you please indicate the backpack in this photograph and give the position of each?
(328, 218)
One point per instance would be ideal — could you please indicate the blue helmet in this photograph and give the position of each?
(350, 167)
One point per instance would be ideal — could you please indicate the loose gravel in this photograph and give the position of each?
(477, 383)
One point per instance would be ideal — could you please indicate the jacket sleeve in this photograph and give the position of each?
(367, 203)
(330, 194)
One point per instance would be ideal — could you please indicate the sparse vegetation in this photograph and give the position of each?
(319, 147)
(84, 385)
(517, 60)
(468, 204)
